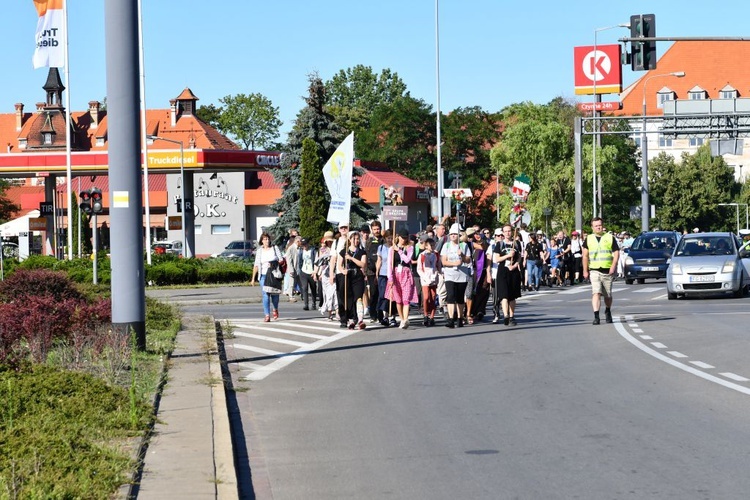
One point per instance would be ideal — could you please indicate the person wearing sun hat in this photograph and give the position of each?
(327, 288)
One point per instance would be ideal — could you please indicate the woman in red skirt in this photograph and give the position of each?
(400, 278)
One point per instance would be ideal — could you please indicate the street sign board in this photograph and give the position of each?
(45, 208)
(600, 106)
(38, 224)
(602, 66)
(396, 212)
(174, 222)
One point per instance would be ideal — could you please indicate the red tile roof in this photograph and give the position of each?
(708, 65)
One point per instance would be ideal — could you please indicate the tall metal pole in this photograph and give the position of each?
(126, 189)
(184, 201)
(144, 142)
(68, 113)
(79, 221)
(440, 186)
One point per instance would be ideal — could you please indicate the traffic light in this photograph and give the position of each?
(643, 56)
(85, 205)
(96, 200)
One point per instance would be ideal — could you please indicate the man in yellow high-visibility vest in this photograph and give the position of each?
(600, 255)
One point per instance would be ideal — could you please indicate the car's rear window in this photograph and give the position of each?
(653, 242)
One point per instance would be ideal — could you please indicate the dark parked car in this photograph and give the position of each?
(648, 256)
(240, 249)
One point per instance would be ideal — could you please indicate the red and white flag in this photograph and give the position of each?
(51, 34)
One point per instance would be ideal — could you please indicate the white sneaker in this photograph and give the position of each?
(402, 325)
(406, 323)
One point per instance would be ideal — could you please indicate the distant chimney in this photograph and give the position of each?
(40, 106)
(94, 112)
(173, 111)
(19, 116)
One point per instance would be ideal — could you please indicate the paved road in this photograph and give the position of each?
(653, 406)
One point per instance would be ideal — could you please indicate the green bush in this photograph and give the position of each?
(224, 271)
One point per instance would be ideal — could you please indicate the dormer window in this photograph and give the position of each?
(697, 94)
(664, 95)
(47, 138)
(728, 92)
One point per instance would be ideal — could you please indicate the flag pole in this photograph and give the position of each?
(69, 170)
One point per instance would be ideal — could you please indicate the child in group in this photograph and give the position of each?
(428, 267)
(554, 263)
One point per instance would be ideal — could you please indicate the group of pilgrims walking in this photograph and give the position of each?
(371, 274)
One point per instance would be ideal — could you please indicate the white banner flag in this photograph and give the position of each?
(50, 34)
(338, 175)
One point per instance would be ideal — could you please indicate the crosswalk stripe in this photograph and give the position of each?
(649, 289)
(270, 339)
(259, 350)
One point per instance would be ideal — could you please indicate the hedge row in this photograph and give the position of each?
(164, 269)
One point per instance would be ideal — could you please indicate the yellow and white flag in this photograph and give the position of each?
(337, 173)
(51, 34)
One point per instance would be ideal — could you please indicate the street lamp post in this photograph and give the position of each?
(182, 186)
(594, 113)
(645, 207)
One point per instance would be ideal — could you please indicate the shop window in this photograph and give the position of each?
(221, 229)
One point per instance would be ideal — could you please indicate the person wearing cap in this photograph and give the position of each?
(351, 261)
(456, 259)
(507, 254)
(600, 255)
(306, 256)
(323, 272)
(401, 288)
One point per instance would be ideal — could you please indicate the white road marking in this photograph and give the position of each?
(633, 325)
(269, 339)
(701, 364)
(259, 350)
(637, 330)
(286, 359)
(649, 289)
(659, 297)
(645, 337)
(658, 345)
(706, 376)
(734, 376)
(677, 354)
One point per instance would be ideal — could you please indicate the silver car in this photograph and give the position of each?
(708, 263)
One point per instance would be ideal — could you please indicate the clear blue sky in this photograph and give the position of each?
(492, 52)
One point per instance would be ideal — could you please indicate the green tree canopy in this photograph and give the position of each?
(316, 123)
(687, 194)
(402, 135)
(251, 119)
(353, 94)
(7, 208)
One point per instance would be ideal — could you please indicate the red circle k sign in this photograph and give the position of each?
(602, 66)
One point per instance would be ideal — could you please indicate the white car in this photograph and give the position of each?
(162, 247)
(708, 263)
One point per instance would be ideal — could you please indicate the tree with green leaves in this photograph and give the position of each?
(209, 114)
(687, 194)
(402, 135)
(251, 119)
(312, 200)
(7, 208)
(316, 123)
(353, 95)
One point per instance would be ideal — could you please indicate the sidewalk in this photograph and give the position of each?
(190, 454)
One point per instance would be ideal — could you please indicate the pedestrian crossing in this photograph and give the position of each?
(264, 348)
(260, 349)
